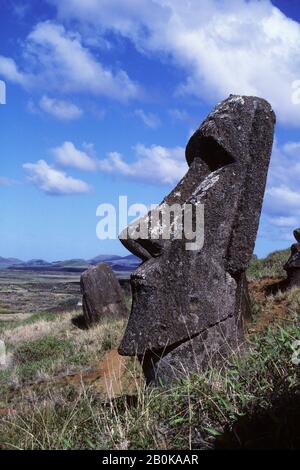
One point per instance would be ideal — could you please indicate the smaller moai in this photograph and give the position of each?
(101, 294)
(292, 266)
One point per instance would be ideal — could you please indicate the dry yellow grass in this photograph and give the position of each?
(45, 350)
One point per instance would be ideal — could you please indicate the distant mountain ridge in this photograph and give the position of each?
(6, 262)
(118, 263)
(103, 258)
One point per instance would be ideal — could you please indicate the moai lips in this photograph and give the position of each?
(190, 299)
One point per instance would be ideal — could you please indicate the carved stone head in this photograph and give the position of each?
(189, 296)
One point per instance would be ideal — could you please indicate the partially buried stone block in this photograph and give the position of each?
(101, 294)
(189, 305)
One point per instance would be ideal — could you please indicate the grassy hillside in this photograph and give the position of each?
(271, 266)
(53, 395)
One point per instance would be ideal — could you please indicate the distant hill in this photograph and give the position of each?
(127, 263)
(71, 263)
(104, 258)
(36, 262)
(117, 263)
(6, 262)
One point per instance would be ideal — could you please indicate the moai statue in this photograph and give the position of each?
(102, 295)
(292, 266)
(190, 299)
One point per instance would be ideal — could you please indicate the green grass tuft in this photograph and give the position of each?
(47, 347)
(37, 356)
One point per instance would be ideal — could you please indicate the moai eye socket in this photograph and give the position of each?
(209, 151)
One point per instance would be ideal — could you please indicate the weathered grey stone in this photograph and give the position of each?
(101, 294)
(292, 266)
(190, 304)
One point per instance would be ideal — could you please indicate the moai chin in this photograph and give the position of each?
(189, 305)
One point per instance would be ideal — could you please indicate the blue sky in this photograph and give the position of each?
(102, 96)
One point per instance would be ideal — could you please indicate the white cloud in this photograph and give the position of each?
(149, 119)
(69, 156)
(4, 181)
(9, 71)
(281, 210)
(179, 115)
(284, 198)
(32, 108)
(284, 221)
(155, 164)
(292, 148)
(52, 181)
(125, 16)
(282, 194)
(63, 110)
(56, 59)
(233, 46)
